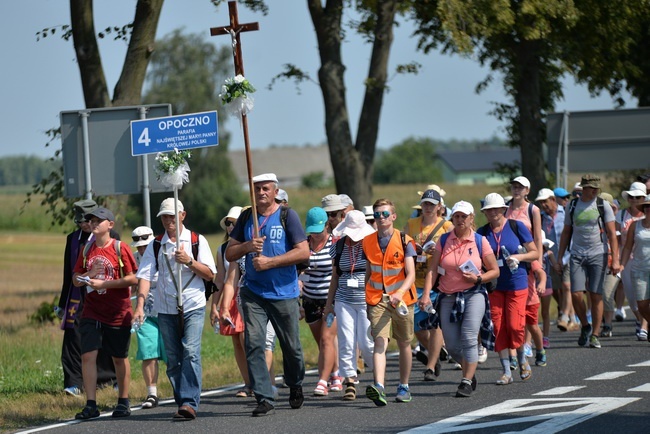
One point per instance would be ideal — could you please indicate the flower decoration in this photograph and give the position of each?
(172, 168)
(235, 95)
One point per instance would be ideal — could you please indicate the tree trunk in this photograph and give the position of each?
(530, 124)
(352, 162)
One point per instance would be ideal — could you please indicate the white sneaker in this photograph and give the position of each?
(276, 393)
(482, 354)
(72, 391)
(619, 314)
(528, 350)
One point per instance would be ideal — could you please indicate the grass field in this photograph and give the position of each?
(31, 262)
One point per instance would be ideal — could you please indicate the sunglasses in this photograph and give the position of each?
(229, 223)
(141, 237)
(380, 214)
(333, 213)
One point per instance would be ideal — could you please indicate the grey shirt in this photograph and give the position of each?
(589, 234)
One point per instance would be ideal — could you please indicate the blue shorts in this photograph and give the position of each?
(150, 342)
(418, 314)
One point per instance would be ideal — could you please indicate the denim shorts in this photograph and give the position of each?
(591, 268)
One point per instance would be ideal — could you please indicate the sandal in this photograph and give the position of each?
(121, 410)
(526, 373)
(244, 392)
(350, 390)
(504, 380)
(88, 412)
(321, 388)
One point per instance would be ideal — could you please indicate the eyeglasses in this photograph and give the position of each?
(229, 223)
(333, 213)
(380, 214)
(141, 237)
(635, 197)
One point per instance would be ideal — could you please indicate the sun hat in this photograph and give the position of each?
(646, 202)
(521, 180)
(354, 226)
(636, 189)
(265, 177)
(433, 187)
(464, 207)
(590, 180)
(431, 196)
(282, 196)
(141, 231)
(167, 207)
(608, 197)
(83, 207)
(233, 213)
(491, 201)
(368, 212)
(316, 219)
(561, 193)
(544, 194)
(101, 213)
(332, 202)
(346, 200)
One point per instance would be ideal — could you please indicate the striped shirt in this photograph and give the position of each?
(316, 278)
(351, 256)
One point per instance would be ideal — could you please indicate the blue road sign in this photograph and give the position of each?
(196, 130)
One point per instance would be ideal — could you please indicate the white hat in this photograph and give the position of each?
(265, 177)
(142, 236)
(522, 180)
(167, 207)
(233, 213)
(464, 207)
(544, 194)
(282, 196)
(637, 189)
(346, 200)
(433, 187)
(368, 212)
(332, 202)
(354, 226)
(577, 187)
(491, 201)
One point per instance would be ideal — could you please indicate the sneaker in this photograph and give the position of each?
(422, 357)
(458, 366)
(296, 397)
(528, 350)
(513, 363)
(276, 393)
(437, 368)
(121, 410)
(584, 335)
(377, 395)
(637, 328)
(482, 354)
(72, 391)
(594, 342)
(403, 394)
(474, 382)
(444, 354)
(151, 401)
(546, 343)
(429, 375)
(88, 412)
(321, 388)
(464, 389)
(540, 358)
(263, 409)
(336, 384)
(642, 335)
(563, 323)
(619, 314)
(606, 331)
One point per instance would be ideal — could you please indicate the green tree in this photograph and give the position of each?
(409, 162)
(187, 72)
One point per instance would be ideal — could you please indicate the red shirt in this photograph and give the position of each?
(113, 306)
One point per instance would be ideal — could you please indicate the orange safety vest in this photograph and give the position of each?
(386, 269)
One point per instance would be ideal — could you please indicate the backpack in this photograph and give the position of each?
(600, 204)
(284, 212)
(118, 248)
(515, 228)
(210, 287)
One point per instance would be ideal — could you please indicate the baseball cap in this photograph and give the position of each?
(316, 219)
(142, 236)
(561, 192)
(521, 180)
(544, 194)
(491, 201)
(464, 207)
(265, 177)
(101, 213)
(167, 207)
(282, 196)
(354, 226)
(332, 202)
(590, 180)
(636, 189)
(83, 207)
(431, 196)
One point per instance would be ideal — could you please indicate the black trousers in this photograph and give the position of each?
(71, 362)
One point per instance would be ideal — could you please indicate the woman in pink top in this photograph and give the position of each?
(463, 301)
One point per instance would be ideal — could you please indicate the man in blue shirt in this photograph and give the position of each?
(270, 290)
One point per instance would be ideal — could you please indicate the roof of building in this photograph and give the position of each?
(478, 160)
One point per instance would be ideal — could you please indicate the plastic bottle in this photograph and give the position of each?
(329, 319)
(217, 327)
(506, 256)
(429, 309)
(136, 326)
(402, 309)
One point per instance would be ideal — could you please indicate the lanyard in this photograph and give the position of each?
(498, 239)
(171, 271)
(353, 257)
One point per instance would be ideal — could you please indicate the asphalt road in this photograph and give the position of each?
(603, 390)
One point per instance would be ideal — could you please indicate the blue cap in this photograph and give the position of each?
(316, 219)
(560, 192)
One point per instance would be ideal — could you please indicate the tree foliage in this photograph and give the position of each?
(25, 170)
(409, 162)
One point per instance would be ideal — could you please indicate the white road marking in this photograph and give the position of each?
(639, 365)
(643, 388)
(550, 422)
(610, 375)
(559, 390)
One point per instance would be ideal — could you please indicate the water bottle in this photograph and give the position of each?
(506, 256)
(402, 309)
(329, 319)
(58, 312)
(429, 308)
(217, 327)
(136, 326)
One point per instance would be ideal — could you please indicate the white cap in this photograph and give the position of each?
(265, 177)
(491, 201)
(544, 194)
(464, 207)
(139, 232)
(282, 196)
(522, 180)
(167, 207)
(354, 226)
(233, 213)
(637, 189)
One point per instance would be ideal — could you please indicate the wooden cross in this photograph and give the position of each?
(234, 29)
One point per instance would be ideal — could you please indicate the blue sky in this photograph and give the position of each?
(41, 79)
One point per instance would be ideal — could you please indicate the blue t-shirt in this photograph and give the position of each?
(509, 281)
(276, 283)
